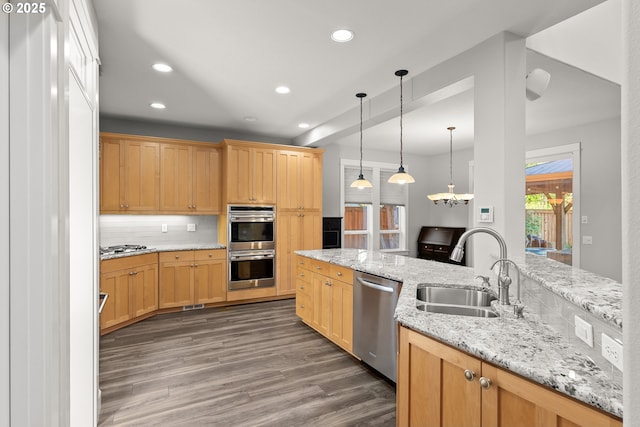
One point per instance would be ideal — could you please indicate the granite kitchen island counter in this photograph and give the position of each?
(528, 347)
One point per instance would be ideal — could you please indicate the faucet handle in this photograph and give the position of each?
(485, 280)
(518, 309)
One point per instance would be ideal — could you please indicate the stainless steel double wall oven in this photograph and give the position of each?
(251, 237)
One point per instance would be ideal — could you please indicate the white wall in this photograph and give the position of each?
(631, 209)
(599, 191)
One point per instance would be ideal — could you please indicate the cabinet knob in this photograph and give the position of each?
(339, 273)
(301, 274)
(301, 305)
(302, 287)
(318, 267)
(328, 283)
(485, 383)
(195, 265)
(177, 256)
(210, 255)
(469, 374)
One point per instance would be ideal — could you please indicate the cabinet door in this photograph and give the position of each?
(432, 388)
(145, 290)
(239, 174)
(289, 165)
(141, 176)
(176, 284)
(311, 231)
(342, 314)
(287, 241)
(321, 304)
(117, 309)
(206, 180)
(210, 281)
(176, 180)
(512, 401)
(111, 175)
(310, 182)
(264, 175)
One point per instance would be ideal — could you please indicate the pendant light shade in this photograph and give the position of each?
(401, 177)
(450, 198)
(361, 182)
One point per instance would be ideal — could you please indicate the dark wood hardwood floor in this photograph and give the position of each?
(247, 365)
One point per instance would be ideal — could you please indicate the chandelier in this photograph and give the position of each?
(401, 177)
(450, 198)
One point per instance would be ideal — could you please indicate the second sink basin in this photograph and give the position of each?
(454, 296)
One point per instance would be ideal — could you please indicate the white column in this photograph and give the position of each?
(499, 154)
(631, 209)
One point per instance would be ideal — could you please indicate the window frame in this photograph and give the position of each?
(373, 224)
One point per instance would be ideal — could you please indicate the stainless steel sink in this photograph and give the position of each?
(454, 296)
(460, 310)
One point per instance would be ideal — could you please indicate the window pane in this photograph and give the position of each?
(389, 241)
(355, 217)
(389, 217)
(355, 241)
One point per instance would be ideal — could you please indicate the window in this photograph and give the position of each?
(382, 228)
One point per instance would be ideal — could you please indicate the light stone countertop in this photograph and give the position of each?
(166, 248)
(528, 346)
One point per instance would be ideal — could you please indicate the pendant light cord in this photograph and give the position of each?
(451, 155)
(361, 135)
(401, 162)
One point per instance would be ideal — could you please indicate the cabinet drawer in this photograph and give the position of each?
(343, 274)
(303, 274)
(206, 254)
(304, 262)
(304, 307)
(176, 256)
(127, 262)
(320, 267)
(303, 287)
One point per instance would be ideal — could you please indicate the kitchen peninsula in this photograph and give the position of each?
(530, 348)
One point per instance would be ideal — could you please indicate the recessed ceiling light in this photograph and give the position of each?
(303, 125)
(250, 119)
(342, 35)
(283, 90)
(163, 68)
(158, 105)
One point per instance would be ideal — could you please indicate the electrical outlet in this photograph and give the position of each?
(584, 219)
(612, 350)
(191, 227)
(587, 240)
(164, 228)
(584, 330)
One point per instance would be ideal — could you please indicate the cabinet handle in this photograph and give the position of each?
(195, 265)
(485, 383)
(469, 374)
(210, 255)
(318, 267)
(301, 305)
(133, 273)
(328, 283)
(177, 256)
(302, 287)
(301, 274)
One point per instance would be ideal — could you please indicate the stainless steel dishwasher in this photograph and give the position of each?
(374, 330)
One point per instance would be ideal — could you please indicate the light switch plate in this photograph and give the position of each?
(583, 330)
(164, 228)
(612, 351)
(191, 227)
(587, 240)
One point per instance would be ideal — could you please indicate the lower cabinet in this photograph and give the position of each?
(192, 277)
(442, 386)
(131, 284)
(324, 299)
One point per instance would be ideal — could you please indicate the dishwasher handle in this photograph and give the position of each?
(375, 286)
(103, 300)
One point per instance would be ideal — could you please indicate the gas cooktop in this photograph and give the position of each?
(118, 249)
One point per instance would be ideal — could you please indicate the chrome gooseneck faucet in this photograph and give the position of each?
(503, 275)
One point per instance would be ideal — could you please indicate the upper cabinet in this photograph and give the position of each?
(129, 175)
(156, 175)
(300, 180)
(250, 172)
(189, 179)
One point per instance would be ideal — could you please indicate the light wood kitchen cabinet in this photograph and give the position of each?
(295, 231)
(250, 172)
(192, 277)
(300, 180)
(190, 179)
(441, 386)
(331, 300)
(129, 174)
(132, 286)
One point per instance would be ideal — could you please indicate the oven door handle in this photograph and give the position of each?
(265, 218)
(250, 257)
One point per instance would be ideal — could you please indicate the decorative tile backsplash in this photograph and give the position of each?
(147, 229)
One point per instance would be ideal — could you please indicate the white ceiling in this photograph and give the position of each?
(228, 57)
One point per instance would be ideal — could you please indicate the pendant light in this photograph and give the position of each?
(361, 182)
(450, 198)
(401, 177)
